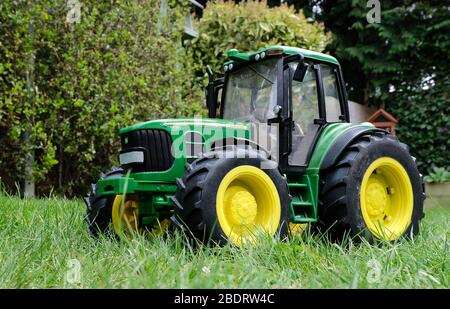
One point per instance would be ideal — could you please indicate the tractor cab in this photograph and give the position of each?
(299, 91)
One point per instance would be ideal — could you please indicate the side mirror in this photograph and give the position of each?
(212, 91)
(300, 72)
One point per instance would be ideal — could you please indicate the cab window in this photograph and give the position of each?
(331, 92)
(305, 108)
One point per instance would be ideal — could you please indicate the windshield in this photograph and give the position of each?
(251, 92)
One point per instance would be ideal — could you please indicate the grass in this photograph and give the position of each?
(40, 238)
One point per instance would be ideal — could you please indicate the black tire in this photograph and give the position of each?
(339, 200)
(195, 199)
(99, 207)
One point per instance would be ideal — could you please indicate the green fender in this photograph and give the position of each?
(342, 142)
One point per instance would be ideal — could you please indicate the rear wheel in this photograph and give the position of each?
(374, 191)
(225, 199)
(386, 198)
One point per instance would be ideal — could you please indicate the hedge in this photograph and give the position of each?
(424, 124)
(250, 25)
(66, 88)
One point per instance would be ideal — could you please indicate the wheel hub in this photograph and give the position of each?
(376, 197)
(386, 198)
(130, 213)
(243, 208)
(247, 203)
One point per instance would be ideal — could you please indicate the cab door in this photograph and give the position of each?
(313, 103)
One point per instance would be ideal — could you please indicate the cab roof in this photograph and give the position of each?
(235, 55)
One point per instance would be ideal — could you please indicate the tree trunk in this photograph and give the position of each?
(29, 188)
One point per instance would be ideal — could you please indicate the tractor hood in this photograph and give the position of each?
(163, 146)
(199, 134)
(201, 125)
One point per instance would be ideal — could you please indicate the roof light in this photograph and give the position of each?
(273, 52)
(232, 52)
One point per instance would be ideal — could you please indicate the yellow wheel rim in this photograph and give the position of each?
(386, 199)
(125, 215)
(161, 227)
(247, 201)
(297, 228)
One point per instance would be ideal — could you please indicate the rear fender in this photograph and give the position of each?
(343, 141)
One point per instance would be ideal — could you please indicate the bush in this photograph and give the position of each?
(424, 118)
(438, 175)
(66, 89)
(249, 26)
(401, 64)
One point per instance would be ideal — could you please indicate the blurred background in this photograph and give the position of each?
(73, 72)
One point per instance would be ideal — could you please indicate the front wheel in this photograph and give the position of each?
(125, 215)
(117, 214)
(374, 191)
(225, 199)
(99, 207)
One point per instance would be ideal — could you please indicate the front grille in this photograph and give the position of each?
(156, 145)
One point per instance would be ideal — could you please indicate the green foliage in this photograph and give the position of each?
(438, 175)
(424, 123)
(401, 63)
(249, 26)
(391, 61)
(122, 63)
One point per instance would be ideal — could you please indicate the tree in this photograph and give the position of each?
(120, 63)
(250, 25)
(407, 47)
(401, 63)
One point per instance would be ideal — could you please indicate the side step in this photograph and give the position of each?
(302, 208)
(297, 185)
(302, 203)
(300, 219)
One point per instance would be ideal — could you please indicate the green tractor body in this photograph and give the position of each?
(280, 105)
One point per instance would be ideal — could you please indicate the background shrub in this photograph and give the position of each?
(401, 64)
(122, 63)
(248, 26)
(66, 89)
(424, 124)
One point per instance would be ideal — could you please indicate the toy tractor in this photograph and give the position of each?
(277, 152)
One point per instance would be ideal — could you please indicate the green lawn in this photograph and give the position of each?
(40, 238)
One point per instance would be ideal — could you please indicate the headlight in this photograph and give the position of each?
(131, 157)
